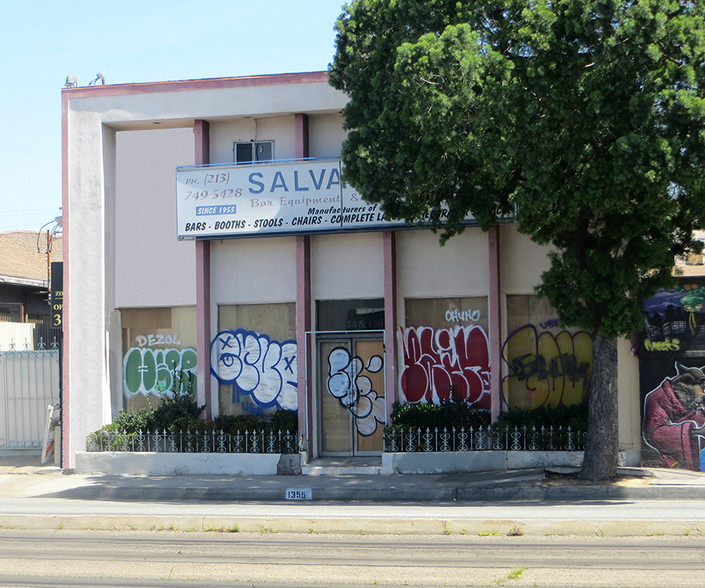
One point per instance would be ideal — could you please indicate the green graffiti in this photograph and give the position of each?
(150, 371)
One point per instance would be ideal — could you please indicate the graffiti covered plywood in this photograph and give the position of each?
(546, 366)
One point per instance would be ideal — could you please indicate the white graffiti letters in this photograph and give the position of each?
(347, 383)
(263, 368)
(440, 364)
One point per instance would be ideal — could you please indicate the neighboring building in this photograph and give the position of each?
(25, 310)
(280, 302)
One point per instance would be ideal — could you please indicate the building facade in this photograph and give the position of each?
(291, 307)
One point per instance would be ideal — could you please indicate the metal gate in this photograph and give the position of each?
(29, 384)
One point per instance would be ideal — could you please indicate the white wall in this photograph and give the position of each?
(152, 268)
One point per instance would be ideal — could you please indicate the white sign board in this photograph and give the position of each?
(283, 197)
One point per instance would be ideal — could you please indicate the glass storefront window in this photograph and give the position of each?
(350, 315)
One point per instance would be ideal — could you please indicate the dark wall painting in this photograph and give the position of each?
(672, 378)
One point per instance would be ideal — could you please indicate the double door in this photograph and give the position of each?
(351, 395)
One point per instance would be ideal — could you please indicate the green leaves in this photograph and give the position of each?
(586, 114)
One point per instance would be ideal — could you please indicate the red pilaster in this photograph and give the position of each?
(301, 130)
(201, 131)
(303, 303)
(495, 322)
(390, 319)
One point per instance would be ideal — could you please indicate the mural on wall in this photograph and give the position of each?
(149, 370)
(674, 418)
(257, 366)
(348, 383)
(448, 363)
(674, 320)
(546, 366)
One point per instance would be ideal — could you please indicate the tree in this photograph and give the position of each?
(585, 118)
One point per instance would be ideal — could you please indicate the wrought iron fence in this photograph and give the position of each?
(196, 442)
(418, 439)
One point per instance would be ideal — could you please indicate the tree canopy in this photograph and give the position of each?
(583, 118)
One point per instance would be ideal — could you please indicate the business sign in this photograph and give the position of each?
(57, 293)
(285, 197)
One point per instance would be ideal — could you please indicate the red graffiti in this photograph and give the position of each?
(446, 363)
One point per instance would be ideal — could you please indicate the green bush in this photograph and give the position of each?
(460, 414)
(178, 407)
(447, 414)
(178, 411)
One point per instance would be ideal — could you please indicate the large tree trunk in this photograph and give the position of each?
(601, 452)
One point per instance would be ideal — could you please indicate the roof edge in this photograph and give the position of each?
(196, 84)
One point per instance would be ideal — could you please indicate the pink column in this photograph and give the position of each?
(495, 322)
(390, 318)
(65, 383)
(303, 302)
(303, 324)
(201, 131)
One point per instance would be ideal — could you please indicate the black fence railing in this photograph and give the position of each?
(196, 442)
(419, 439)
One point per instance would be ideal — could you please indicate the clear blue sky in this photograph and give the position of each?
(43, 41)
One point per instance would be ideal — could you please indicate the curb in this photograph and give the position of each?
(354, 526)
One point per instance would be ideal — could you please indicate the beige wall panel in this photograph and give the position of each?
(152, 267)
(426, 269)
(522, 260)
(326, 135)
(347, 266)
(278, 129)
(253, 271)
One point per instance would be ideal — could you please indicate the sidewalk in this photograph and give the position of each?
(35, 496)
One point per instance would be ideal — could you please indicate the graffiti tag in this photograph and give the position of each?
(256, 365)
(666, 345)
(158, 339)
(546, 369)
(446, 363)
(463, 316)
(150, 371)
(348, 384)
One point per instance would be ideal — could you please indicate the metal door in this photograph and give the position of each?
(352, 409)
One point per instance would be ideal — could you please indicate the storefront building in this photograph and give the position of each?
(207, 227)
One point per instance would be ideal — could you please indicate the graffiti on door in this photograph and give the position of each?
(674, 418)
(442, 364)
(349, 383)
(147, 370)
(256, 365)
(546, 367)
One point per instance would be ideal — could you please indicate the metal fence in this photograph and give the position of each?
(29, 384)
(418, 439)
(196, 442)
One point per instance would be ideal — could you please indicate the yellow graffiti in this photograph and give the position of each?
(667, 344)
(546, 369)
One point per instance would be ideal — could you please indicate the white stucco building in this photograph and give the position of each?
(342, 321)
